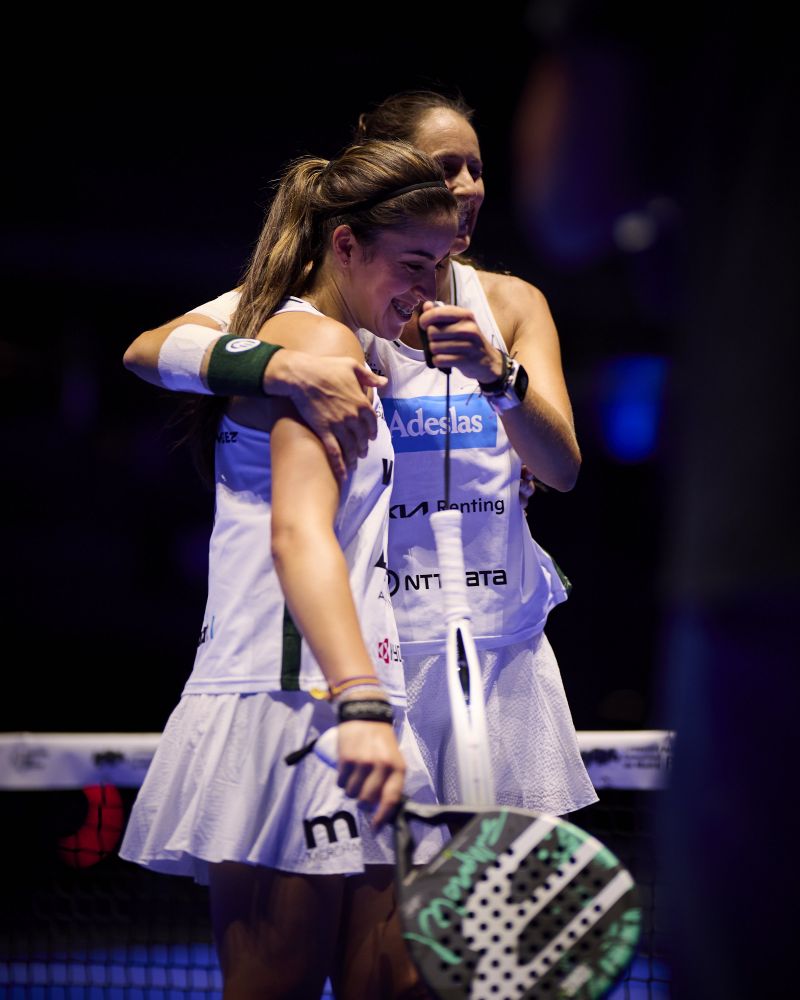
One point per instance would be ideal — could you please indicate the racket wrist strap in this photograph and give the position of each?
(366, 710)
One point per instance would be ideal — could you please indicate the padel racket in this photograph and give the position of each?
(519, 905)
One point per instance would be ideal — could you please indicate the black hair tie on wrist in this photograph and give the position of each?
(366, 710)
(499, 384)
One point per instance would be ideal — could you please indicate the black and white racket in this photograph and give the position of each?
(518, 905)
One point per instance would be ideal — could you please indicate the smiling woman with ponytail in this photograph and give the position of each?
(298, 632)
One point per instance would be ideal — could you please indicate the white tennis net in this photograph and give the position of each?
(78, 923)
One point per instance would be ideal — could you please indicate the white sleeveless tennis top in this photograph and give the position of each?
(512, 582)
(248, 642)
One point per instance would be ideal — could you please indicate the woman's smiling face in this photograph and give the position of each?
(397, 271)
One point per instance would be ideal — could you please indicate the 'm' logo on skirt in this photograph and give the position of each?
(328, 823)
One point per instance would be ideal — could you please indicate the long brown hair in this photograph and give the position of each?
(314, 196)
(399, 116)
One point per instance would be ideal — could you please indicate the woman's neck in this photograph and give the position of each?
(325, 295)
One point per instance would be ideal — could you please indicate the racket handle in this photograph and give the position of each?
(470, 727)
(446, 526)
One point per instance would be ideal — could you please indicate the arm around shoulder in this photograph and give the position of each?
(324, 374)
(176, 352)
(330, 393)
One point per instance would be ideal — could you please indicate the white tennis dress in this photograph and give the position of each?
(218, 787)
(513, 584)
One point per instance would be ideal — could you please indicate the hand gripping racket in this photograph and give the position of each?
(518, 905)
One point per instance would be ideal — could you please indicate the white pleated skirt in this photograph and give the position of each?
(218, 789)
(532, 740)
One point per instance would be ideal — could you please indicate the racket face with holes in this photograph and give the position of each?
(518, 905)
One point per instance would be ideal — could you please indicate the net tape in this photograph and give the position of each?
(638, 760)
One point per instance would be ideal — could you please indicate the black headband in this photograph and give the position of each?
(362, 206)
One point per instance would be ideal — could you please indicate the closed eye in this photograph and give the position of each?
(452, 165)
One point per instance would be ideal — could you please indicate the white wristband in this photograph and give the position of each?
(181, 357)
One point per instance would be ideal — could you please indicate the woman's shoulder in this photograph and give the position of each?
(514, 301)
(517, 305)
(507, 285)
(311, 332)
(501, 286)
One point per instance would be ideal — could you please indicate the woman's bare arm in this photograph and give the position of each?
(541, 429)
(329, 392)
(311, 566)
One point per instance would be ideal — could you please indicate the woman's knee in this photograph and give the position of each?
(372, 961)
(275, 932)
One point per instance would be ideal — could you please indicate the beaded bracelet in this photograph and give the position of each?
(368, 691)
(334, 690)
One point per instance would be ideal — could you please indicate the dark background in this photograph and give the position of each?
(616, 141)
